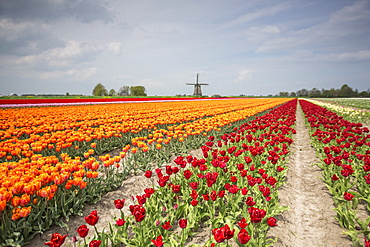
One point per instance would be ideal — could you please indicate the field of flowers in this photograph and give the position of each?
(53, 160)
(363, 103)
(354, 110)
(56, 159)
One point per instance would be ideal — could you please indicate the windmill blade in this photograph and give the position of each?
(203, 84)
(191, 84)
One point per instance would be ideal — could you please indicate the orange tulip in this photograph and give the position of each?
(16, 201)
(25, 199)
(2, 205)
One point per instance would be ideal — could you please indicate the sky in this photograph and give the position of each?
(238, 47)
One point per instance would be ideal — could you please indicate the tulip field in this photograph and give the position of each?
(55, 159)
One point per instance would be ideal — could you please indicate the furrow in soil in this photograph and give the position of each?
(310, 220)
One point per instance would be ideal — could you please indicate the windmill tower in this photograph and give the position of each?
(197, 87)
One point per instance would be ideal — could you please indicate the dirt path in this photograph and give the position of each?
(311, 219)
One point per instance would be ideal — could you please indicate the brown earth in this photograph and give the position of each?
(310, 221)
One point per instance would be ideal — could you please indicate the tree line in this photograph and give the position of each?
(344, 92)
(100, 90)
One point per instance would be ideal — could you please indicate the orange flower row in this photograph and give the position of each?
(28, 131)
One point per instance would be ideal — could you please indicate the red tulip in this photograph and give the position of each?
(348, 196)
(194, 194)
(82, 231)
(233, 179)
(279, 169)
(205, 197)
(194, 202)
(271, 221)
(148, 174)
(158, 241)
(167, 225)
(271, 181)
(244, 191)
(187, 174)
(367, 178)
(250, 202)
(138, 212)
(176, 188)
(221, 193)
(213, 195)
(334, 177)
(120, 222)
(56, 240)
(256, 214)
(243, 236)
(95, 243)
(233, 189)
(163, 180)
(141, 199)
(119, 203)
(92, 218)
(222, 233)
(243, 223)
(149, 191)
(183, 223)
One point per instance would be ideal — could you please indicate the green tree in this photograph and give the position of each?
(138, 91)
(283, 94)
(99, 90)
(302, 93)
(112, 92)
(364, 94)
(314, 93)
(346, 91)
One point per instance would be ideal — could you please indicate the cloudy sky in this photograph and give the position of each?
(237, 46)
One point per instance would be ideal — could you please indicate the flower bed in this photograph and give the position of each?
(231, 192)
(359, 114)
(53, 158)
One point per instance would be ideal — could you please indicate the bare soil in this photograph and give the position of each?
(310, 221)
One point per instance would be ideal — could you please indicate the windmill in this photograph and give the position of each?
(197, 88)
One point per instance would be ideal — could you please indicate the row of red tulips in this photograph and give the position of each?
(343, 147)
(230, 192)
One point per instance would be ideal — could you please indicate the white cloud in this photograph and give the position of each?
(10, 30)
(75, 74)
(82, 74)
(244, 75)
(359, 11)
(73, 49)
(115, 47)
(354, 56)
(345, 31)
(251, 16)
(257, 34)
(73, 52)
